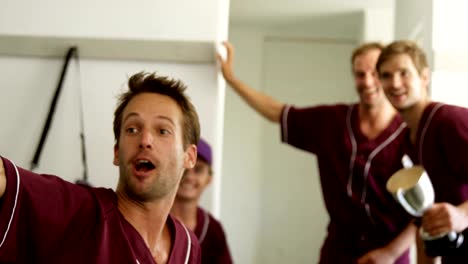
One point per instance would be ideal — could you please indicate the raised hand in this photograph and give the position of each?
(444, 217)
(226, 65)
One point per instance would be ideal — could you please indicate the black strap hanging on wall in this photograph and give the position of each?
(72, 52)
(83, 180)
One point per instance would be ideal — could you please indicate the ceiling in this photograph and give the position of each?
(264, 11)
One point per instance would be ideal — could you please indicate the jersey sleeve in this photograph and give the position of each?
(454, 140)
(36, 212)
(309, 128)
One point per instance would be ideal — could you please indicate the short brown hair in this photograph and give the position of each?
(143, 82)
(407, 47)
(364, 48)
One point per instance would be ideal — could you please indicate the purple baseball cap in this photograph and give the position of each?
(204, 151)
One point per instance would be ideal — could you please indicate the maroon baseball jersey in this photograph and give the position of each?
(212, 239)
(44, 219)
(441, 146)
(353, 174)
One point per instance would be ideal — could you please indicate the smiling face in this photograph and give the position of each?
(404, 86)
(150, 152)
(194, 182)
(366, 79)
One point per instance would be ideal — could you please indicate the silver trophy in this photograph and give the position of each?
(412, 188)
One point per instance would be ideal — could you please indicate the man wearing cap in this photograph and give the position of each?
(186, 208)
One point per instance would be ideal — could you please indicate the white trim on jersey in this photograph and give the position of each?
(14, 205)
(284, 122)
(349, 186)
(205, 226)
(371, 156)
(423, 133)
(189, 244)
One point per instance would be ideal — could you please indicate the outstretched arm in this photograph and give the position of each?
(2, 179)
(262, 103)
(392, 251)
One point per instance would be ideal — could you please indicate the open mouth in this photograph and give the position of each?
(144, 165)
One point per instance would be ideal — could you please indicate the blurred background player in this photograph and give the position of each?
(186, 208)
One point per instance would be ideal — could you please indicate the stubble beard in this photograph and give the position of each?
(147, 193)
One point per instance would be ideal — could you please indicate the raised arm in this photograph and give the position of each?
(2, 179)
(262, 103)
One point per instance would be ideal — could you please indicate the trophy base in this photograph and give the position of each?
(442, 245)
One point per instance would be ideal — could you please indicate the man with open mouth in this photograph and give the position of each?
(44, 219)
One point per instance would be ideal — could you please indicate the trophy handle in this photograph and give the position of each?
(401, 199)
(457, 237)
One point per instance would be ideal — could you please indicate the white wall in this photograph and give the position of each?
(413, 20)
(294, 218)
(450, 44)
(143, 19)
(448, 22)
(378, 25)
(242, 174)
